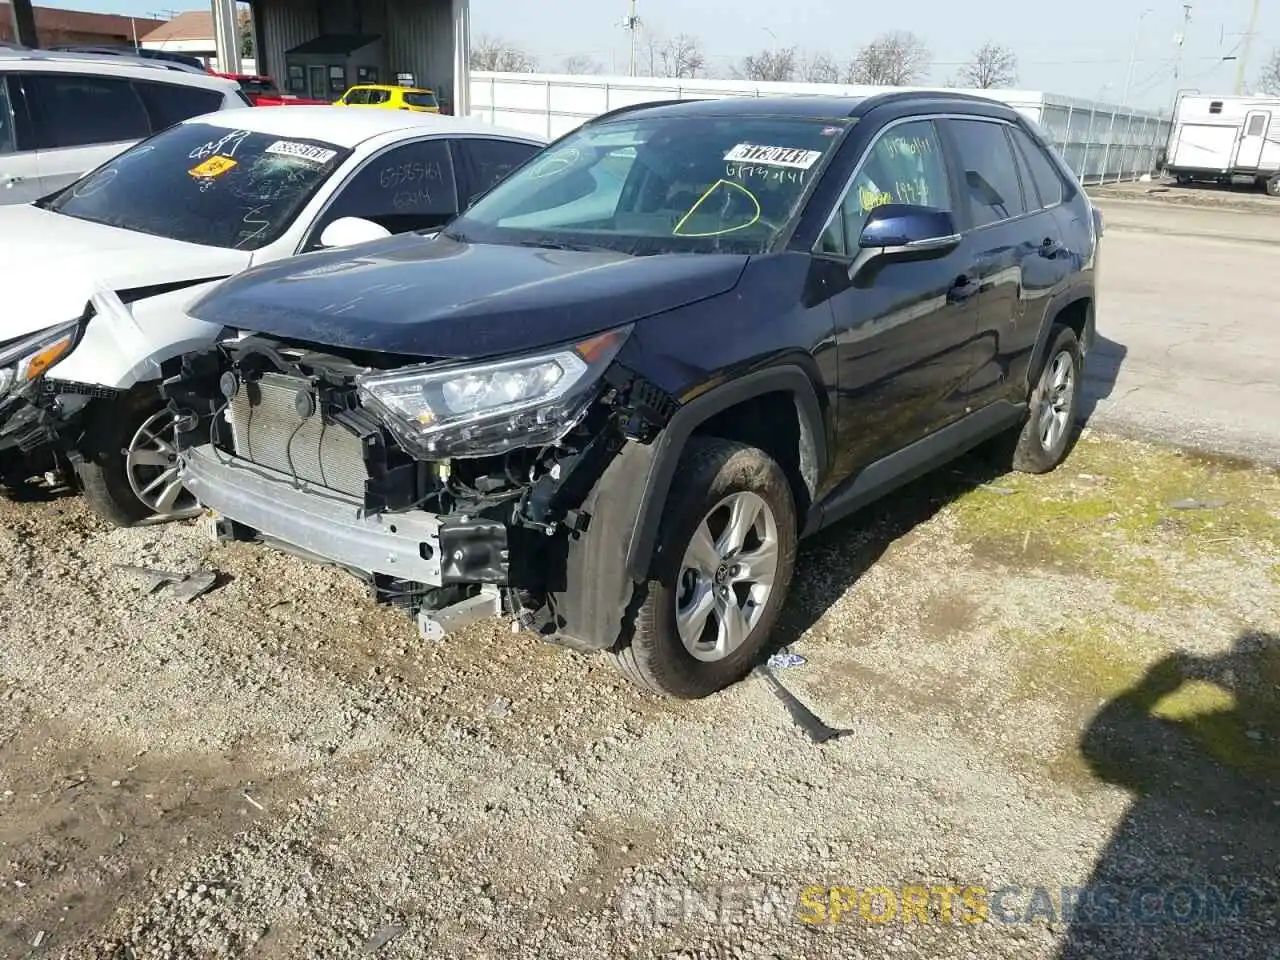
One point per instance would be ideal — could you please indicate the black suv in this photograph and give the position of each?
(611, 396)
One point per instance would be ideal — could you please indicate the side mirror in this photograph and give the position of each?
(903, 225)
(349, 231)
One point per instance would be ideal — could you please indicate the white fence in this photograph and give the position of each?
(1100, 142)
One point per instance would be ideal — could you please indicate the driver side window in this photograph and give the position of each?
(905, 165)
(406, 188)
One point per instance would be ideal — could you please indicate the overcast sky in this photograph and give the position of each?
(1077, 47)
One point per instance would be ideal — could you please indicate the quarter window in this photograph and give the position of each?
(905, 165)
(988, 171)
(76, 111)
(170, 103)
(408, 188)
(488, 162)
(1044, 172)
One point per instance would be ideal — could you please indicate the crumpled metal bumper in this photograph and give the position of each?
(319, 522)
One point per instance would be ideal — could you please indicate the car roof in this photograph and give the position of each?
(818, 108)
(109, 65)
(348, 128)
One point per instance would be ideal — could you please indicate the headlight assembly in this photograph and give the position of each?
(28, 359)
(487, 408)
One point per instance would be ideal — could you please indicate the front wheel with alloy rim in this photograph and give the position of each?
(726, 553)
(1046, 435)
(129, 468)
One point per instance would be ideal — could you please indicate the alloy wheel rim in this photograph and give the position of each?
(727, 576)
(1055, 409)
(153, 469)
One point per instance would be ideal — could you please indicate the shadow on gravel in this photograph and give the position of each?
(1191, 869)
(1101, 372)
(831, 562)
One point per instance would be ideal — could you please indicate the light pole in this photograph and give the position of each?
(1133, 56)
(1244, 53)
(632, 23)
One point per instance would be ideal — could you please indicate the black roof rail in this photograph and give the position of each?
(906, 96)
(631, 108)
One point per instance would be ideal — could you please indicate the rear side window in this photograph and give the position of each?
(988, 172)
(169, 103)
(74, 111)
(421, 100)
(488, 162)
(8, 138)
(1044, 172)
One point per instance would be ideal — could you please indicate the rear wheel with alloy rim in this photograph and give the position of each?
(725, 557)
(130, 468)
(1046, 435)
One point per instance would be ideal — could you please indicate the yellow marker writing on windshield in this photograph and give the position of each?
(215, 166)
(703, 199)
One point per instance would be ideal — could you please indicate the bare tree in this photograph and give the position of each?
(496, 54)
(681, 56)
(769, 65)
(819, 68)
(1269, 80)
(580, 63)
(896, 59)
(992, 66)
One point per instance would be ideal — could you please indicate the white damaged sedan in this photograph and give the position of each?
(94, 278)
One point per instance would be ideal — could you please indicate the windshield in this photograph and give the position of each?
(658, 185)
(204, 184)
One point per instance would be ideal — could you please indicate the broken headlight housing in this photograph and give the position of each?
(29, 358)
(487, 408)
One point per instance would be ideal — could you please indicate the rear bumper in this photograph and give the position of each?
(316, 521)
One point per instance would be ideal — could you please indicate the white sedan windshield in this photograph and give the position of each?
(205, 184)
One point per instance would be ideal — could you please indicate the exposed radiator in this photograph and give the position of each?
(268, 430)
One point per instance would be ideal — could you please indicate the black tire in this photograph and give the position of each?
(110, 427)
(711, 469)
(1273, 186)
(1030, 453)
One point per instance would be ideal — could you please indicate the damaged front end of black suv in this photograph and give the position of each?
(457, 490)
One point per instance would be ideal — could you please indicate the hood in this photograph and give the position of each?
(446, 299)
(51, 265)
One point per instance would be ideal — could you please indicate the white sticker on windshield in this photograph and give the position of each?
(792, 157)
(301, 151)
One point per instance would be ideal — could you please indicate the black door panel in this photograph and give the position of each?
(1018, 248)
(904, 333)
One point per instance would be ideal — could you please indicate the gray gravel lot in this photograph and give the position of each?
(1031, 682)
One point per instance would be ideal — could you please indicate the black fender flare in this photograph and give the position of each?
(1060, 303)
(667, 449)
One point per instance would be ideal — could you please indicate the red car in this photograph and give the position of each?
(264, 92)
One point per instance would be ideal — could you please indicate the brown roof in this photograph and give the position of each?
(52, 20)
(192, 25)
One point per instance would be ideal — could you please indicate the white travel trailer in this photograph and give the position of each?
(1219, 138)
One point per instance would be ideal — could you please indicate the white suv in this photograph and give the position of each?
(63, 114)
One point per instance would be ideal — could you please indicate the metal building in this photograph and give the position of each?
(320, 47)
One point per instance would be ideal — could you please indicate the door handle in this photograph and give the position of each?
(8, 182)
(964, 288)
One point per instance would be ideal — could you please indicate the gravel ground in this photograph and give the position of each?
(1041, 682)
(1242, 197)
